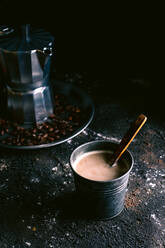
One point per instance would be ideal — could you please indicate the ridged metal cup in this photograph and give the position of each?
(101, 200)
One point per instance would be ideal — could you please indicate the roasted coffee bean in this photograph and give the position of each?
(77, 110)
(51, 139)
(22, 140)
(39, 127)
(57, 103)
(52, 116)
(69, 107)
(30, 144)
(63, 132)
(64, 121)
(45, 135)
(2, 132)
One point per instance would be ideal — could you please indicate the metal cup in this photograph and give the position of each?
(101, 200)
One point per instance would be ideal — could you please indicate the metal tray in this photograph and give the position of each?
(74, 95)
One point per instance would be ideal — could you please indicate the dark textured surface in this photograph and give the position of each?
(36, 187)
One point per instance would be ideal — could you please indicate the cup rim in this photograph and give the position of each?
(101, 141)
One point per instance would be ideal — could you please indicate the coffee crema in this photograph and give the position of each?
(95, 166)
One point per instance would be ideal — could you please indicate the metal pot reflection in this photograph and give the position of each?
(26, 77)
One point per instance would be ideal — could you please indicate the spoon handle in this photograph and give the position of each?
(128, 137)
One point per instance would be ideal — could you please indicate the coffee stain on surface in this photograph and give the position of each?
(150, 157)
(132, 199)
(152, 160)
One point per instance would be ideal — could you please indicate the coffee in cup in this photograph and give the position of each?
(95, 165)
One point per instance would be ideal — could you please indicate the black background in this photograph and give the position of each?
(106, 40)
(109, 42)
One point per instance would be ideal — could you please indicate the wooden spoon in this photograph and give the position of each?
(127, 139)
